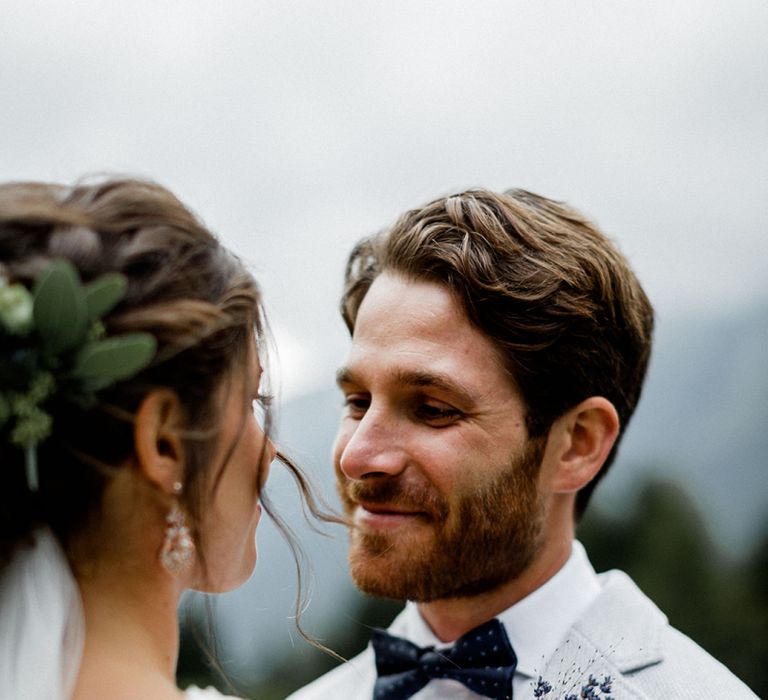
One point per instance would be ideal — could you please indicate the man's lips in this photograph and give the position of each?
(384, 515)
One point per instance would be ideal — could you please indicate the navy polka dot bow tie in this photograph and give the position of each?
(483, 660)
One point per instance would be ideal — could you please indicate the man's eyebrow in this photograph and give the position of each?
(344, 375)
(434, 380)
(415, 378)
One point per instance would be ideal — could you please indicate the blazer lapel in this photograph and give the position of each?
(619, 633)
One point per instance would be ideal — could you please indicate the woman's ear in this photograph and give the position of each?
(584, 437)
(158, 446)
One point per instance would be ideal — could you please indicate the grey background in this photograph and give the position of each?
(293, 128)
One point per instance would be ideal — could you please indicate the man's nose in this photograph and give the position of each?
(371, 446)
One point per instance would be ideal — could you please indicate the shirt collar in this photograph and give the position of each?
(537, 623)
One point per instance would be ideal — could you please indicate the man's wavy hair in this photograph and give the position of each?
(553, 294)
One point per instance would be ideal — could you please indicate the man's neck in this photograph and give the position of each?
(450, 618)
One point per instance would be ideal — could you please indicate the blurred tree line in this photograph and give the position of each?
(661, 541)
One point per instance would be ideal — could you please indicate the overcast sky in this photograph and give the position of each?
(293, 128)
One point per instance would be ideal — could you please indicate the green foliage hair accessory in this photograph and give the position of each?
(103, 294)
(103, 362)
(5, 410)
(53, 343)
(15, 308)
(60, 310)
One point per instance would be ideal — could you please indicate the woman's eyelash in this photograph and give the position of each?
(264, 399)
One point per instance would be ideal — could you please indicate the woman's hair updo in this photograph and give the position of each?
(184, 288)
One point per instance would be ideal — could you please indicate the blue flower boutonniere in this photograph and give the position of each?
(592, 689)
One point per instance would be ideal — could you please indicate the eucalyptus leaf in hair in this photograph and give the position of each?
(60, 309)
(104, 293)
(104, 362)
(54, 344)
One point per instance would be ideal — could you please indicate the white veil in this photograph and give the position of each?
(42, 628)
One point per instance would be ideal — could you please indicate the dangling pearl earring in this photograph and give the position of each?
(178, 547)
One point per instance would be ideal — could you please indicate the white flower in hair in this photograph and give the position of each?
(15, 308)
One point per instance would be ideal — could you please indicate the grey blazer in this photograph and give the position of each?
(625, 636)
(622, 635)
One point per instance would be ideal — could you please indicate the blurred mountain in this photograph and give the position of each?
(702, 422)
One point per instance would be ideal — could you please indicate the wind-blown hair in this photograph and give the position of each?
(555, 296)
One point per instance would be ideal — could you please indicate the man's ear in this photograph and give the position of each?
(158, 446)
(582, 439)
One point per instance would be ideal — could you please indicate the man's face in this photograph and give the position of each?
(432, 457)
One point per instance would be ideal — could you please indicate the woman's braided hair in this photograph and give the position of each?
(184, 288)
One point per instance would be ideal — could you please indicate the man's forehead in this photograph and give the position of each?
(402, 292)
(423, 322)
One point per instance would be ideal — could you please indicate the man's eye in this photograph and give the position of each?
(356, 405)
(437, 415)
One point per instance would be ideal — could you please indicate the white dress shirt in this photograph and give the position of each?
(535, 626)
(195, 693)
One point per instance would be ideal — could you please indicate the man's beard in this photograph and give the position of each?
(478, 541)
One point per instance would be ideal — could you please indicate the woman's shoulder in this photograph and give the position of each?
(194, 693)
